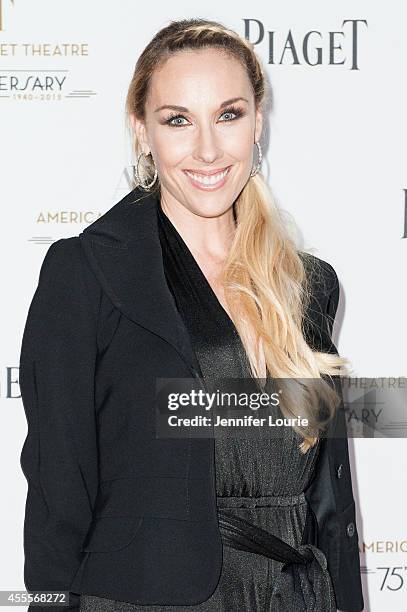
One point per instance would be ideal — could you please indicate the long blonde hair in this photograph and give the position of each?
(264, 276)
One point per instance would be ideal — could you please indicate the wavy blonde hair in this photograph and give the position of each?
(264, 276)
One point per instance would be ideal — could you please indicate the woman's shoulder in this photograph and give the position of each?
(62, 249)
(320, 273)
(65, 274)
(63, 260)
(323, 293)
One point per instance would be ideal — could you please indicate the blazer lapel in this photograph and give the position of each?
(123, 248)
(124, 251)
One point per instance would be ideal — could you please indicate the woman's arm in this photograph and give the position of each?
(348, 580)
(330, 493)
(59, 456)
(332, 305)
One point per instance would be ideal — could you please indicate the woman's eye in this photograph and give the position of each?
(171, 119)
(233, 113)
(229, 113)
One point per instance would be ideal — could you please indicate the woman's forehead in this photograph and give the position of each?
(205, 75)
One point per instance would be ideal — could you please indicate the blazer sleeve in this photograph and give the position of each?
(332, 306)
(331, 492)
(59, 455)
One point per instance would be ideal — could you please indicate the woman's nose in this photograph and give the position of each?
(207, 147)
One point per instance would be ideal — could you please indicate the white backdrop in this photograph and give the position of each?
(334, 157)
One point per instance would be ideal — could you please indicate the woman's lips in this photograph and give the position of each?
(208, 182)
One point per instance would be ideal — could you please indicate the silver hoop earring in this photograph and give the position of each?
(257, 167)
(145, 186)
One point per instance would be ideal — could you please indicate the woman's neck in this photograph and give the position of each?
(206, 237)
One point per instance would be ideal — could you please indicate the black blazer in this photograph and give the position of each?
(112, 510)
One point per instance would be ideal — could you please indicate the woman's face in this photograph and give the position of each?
(212, 132)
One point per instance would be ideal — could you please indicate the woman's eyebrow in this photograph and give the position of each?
(183, 109)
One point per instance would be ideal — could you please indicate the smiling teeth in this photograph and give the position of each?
(208, 180)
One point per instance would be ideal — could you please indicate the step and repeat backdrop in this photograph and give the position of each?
(334, 155)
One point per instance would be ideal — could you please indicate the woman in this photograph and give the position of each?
(192, 274)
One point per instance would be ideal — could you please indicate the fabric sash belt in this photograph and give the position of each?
(304, 583)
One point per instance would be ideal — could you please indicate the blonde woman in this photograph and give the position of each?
(192, 274)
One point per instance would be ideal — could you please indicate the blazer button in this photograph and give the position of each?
(339, 471)
(350, 529)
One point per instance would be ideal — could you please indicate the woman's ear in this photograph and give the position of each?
(259, 125)
(140, 132)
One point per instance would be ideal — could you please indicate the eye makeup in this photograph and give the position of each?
(235, 110)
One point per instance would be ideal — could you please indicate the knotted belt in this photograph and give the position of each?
(304, 583)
